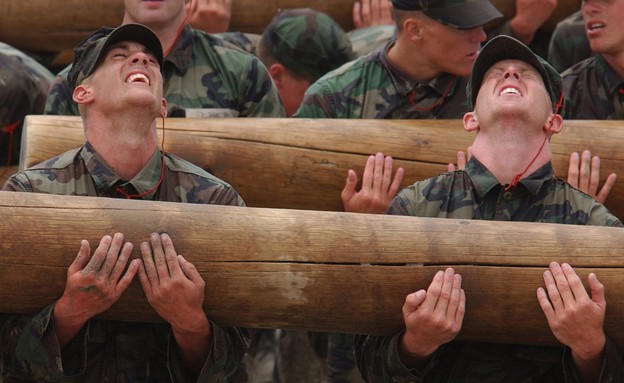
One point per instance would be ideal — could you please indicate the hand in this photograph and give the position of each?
(372, 12)
(462, 159)
(432, 318)
(575, 318)
(529, 17)
(378, 188)
(211, 16)
(175, 289)
(93, 284)
(586, 175)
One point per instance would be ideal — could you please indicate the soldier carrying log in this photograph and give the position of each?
(118, 85)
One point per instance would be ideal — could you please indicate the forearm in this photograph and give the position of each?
(610, 367)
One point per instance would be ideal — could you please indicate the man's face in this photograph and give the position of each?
(129, 75)
(451, 50)
(156, 14)
(603, 25)
(515, 89)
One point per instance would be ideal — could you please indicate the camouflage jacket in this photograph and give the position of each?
(204, 76)
(24, 86)
(110, 351)
(371, 87)
(476, 194)
(593, 91)
(568, 43)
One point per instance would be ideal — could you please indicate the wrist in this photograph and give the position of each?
(522, 30)
(413, 353)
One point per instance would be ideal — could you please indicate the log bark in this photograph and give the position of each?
(312, 270)
(303, 163)
(55, 25)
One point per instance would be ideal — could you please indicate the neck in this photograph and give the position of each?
(407, 59)
(167, 33)
(125, 145)
(616, 62)
(507, 155)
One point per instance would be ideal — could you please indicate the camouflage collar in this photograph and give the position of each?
(610, 80)
(181, 53)
(484, 181)
(106, 180)
(406, 85)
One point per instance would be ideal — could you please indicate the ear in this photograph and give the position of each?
(554, 124)
(163, 108)
(471, 122)
(413, 28)
(277, 73)
(82, 94)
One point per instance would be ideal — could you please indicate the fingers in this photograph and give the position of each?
(82, 258)
(357, 15)
(171, 257)
(461, 160)
(191, 272)
(601, 197)
(585, 173)
(573, 170)
(396, 183)
(369, 172)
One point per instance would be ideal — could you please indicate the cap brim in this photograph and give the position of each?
(466, 15)
(138, 33)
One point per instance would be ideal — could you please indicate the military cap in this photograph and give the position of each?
(307, 42)
(507, 48)
(460, 14)
(88, 54)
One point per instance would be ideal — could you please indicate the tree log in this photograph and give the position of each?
(54, 26)
(312, 270)
(303, 163)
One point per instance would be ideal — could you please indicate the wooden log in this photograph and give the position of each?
(55, 25)
(303, 163)
(312, 270)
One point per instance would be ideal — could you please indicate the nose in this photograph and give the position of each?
(140, 58)
(589, 6)
(477, 34)
(511, 72)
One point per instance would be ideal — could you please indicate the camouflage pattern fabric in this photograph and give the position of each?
(476, 194)
(204, 76)
(371, 87)
(369, 39)
(244, 41)
(24, 85)
(568, 43)
(593, 91)
(109, 351)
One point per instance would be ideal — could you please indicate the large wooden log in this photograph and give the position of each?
(55, 25)
(312, 270)
(303, 163)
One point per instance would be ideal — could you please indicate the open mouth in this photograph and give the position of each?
(510, 90)
(138, 78)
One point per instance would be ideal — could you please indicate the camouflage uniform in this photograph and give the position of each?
(24, 85)
(593, 91)
(110, 351)
(203, 76)
(568, 43)
(476, 194)
(371, 87)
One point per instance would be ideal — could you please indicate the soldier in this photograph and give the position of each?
(516, 98)
(117, 83)
(419, 75)
(298, 47)
(204, 76)
(594, 88)
(24, 85)
(568, 43)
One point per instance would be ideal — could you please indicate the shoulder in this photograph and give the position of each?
(57, 170)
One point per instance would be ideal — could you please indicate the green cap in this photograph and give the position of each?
(88, 53)
(307, 42)
(507, 48)
(460, 14)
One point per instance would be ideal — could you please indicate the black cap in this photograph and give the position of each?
(87, 54)
(460, 14)
(507, 48)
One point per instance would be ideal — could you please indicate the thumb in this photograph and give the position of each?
(349, 189)
(413, 302)
(597, 290)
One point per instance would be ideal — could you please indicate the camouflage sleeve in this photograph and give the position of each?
(30, 350)
(228, 347)
(612, 365)
(261, 96)
(60, 98)
(317, 103)
(377, 358)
